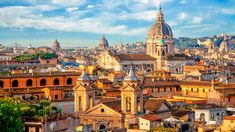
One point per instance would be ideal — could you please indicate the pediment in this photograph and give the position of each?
(102, 110)
(79, 87)
(129, 88)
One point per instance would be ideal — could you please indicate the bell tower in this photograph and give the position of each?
(131, 95)
(84, 94)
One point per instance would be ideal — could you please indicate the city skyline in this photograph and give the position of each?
(83, 22)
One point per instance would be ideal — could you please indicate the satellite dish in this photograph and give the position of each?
(52, 125)
(147, 111)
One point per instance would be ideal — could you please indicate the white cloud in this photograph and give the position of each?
(182, 16)
(70, 9)
(26, 17)
(90, 6)
(228, 11)
(197, 20)
(68, 2)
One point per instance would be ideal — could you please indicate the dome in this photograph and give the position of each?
(160, 28)
(56, 44)
(104, 42)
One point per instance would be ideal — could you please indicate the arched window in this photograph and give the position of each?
(128, 104)
(217, 117)
(163, 53)
(202, 117)
(212, 116)
(1, 84)
(138, 104)
(56, 81)
(90, 101)
(80, 102)
(29, 82)
(102, 128)
(43, 82)
(69, 81)
(15, 83)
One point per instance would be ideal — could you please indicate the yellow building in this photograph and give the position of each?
(115, 114)
(228, 124)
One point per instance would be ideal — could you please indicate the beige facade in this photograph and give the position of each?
(116, 114)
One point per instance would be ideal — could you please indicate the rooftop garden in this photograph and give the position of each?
(24, 57)
(48, 56)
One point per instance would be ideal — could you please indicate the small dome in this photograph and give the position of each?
(55, 45)
(131, 76)
(104, 42)
(162, 41)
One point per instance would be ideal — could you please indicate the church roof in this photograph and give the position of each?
(56, 44)
(104, 41)
(160, 28)
(179, 57)
(151, 117)
(115, 105)
(153, 104)
(134, 57)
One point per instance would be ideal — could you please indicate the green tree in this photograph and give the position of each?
(10, 116)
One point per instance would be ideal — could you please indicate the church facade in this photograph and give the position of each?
(119, 113)
(159, 47)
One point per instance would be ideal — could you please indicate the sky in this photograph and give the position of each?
(79, 23)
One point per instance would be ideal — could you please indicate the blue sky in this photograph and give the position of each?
(83, 22)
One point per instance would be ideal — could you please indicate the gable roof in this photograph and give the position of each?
(104, 105)
(153, 104)
(151, 117)
(115, 105)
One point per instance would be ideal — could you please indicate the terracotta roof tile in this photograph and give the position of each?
(229, 118)
(134, 57)
(115, 105)
(153, 104)
(151, 118)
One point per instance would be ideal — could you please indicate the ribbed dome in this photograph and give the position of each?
(56, 44)
(160, 28)
(104, 42)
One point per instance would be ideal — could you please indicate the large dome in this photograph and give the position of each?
(160, 28)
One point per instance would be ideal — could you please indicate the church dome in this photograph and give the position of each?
(55, 45)
(160, 28)
(104, 42)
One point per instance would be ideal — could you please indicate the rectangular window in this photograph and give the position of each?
(56, 96)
